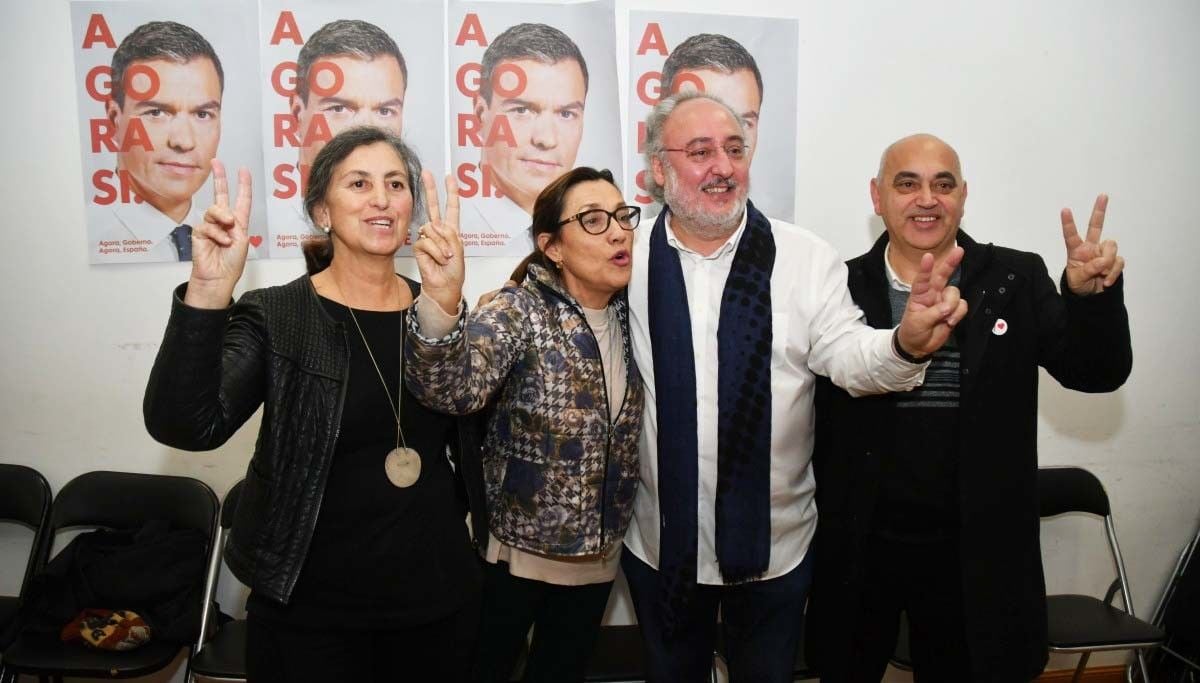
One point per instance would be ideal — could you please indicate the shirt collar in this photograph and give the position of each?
(893, 278)
(725, 249)
(148, 223)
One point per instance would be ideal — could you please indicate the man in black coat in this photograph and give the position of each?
(927, 500)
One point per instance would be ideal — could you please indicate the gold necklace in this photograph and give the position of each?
(402, 464)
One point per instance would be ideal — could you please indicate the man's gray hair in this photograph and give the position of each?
(656, 122)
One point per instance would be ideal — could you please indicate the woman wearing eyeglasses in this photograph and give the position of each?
(551, 359)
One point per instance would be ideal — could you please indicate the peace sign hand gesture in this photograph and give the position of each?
(220, 243)
(1092, 265)
(934, 306)
(439, 249)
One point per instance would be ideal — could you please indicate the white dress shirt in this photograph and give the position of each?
(496, 215)
(816, 330)
(892, 276)
(136, 222)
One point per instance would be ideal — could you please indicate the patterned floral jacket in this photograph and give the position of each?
(560, 474)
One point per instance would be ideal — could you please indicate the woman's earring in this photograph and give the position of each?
(326, 228)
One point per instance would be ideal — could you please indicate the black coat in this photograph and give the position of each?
(276, 347)
(1083, 342)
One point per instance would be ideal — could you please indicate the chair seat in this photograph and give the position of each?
(618, 655)
(37, 653)
(224, 656)
(1082, 621)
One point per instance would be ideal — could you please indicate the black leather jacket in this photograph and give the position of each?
(278, 348)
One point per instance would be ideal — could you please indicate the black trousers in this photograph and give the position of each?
(323, 653)
(565, 620)
(922, 579)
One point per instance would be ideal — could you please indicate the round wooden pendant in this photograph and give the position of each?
(403, 467)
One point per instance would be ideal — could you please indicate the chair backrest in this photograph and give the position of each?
(25, 498)
(1070, 489)
(125, 500)
(228, 512)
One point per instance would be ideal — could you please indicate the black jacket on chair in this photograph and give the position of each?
(275, 347)
(1084, 344)
(153, 571)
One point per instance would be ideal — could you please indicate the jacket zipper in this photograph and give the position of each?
(612, 421)
(608, 427)
(608, 422)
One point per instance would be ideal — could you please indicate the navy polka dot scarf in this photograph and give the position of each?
(743, 506)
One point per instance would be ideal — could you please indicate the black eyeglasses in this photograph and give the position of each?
(596, 221)
(702, 154)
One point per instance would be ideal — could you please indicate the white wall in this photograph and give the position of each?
(1047, 103)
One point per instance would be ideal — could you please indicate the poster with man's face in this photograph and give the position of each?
(748, 62)
(163, 90)
(533, 95)
(328, 66)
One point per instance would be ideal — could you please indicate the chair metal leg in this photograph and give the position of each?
(1141, 658)
(1083, 660)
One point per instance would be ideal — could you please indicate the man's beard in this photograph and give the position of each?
(702, 223)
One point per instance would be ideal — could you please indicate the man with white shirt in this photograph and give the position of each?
(165, 108)
(733, 315)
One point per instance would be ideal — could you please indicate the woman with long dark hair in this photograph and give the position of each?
(551, 357)
(350, 531)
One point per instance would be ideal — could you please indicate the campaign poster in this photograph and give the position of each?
(328, 66)
(533, 94)
(163, 89)
(749, 62)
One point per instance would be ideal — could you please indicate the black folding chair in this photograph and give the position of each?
(24, 501)
(223, 655)
(1082, 623)
(1178, 614)
(115, 500)
(1079, 623)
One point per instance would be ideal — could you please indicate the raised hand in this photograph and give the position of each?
(1092, 265)
(219, 244)
(934, 308)
(439, 249)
